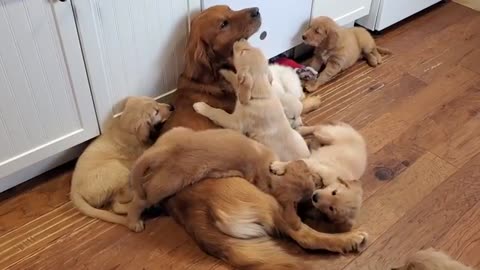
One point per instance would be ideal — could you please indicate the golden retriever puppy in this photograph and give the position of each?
(258, 113)
(431, 259)
(338, 48)
(182, 157)
(288, 88)
(339, 163)
(100, 178)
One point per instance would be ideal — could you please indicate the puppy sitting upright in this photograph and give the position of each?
(338, 48)
(182, 157)
(100, 178)
(339, 163)
(258, 111)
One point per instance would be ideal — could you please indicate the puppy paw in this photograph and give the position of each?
(278, 167)
(355, 241)
(200, 107)
(311, 86)
(137, 226)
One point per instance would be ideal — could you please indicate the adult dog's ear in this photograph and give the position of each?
(197, 60)
(245, 85)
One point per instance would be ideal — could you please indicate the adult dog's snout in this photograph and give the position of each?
(255, 12)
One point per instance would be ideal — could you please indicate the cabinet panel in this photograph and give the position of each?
(342, 11)
(132, 47)
(282, 21)
(45, 101)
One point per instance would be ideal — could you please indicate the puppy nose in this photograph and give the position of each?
(171, 108)
(315, 197)
(304, 37)
(255, 12)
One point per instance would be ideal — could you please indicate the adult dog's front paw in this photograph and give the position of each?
(278, 167)
(200, 107)
(355, 241)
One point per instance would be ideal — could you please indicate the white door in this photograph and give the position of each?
(283, 22)
(45, 101)
(344, 12)
(131, 47)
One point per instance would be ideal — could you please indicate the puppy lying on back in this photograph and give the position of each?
(431, 259)
(338, 48)
(182, 157)
(100, 178)
(339, 163)
(288, 88)
(258, 112)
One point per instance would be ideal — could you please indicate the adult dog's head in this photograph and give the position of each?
(143, 117)
(323, 32)
(212, 35)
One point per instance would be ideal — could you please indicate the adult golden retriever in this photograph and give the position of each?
(233, 202)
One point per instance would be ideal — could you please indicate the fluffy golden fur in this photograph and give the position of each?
(338, 48)
(258, 112)
(339, 163)
(100, 178)
(234, 202)
(209, 49)
(431, 259)
(182, 157)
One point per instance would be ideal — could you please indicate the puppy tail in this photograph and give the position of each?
(140, 167)
(263, 253)
(84, 207)
(383, 50)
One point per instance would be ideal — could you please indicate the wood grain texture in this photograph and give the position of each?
(421, 121)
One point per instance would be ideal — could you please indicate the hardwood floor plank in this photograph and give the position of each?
(393, 201)
(426, 221)
(462, 242)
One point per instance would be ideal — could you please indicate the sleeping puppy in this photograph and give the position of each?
(338, 48)
(336, 166)
(288, 88)
(182, 157)
(258, 111)
(431, 259)
(100, 178)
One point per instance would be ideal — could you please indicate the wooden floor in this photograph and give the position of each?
(420, 113)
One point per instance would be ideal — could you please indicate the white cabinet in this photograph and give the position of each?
(45, 101)
(283, 22)
(131, 47)
(384, 13)
(344, 12)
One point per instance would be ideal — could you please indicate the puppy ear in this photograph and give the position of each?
(142, 130)
(245, 86)
(332, 34)
(343, 182)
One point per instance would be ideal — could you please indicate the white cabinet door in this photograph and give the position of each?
(282, 22)
(131, 47)
(342, 11)
(45, 101)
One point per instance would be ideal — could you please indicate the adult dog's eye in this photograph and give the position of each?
(331, 208)
(224, 24)
(334, 193)
(157, 112)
